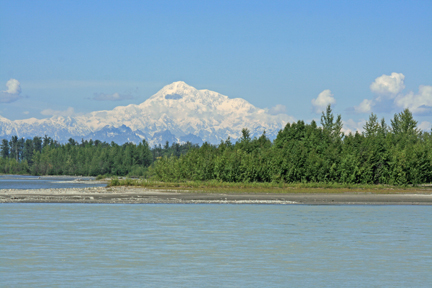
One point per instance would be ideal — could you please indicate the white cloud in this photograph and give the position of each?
(351, 126)
(111, 97)
(388, 88)
(416, 103)
(323, 100)
(14, 86)
(12, 93)
(26, 112)
(66, 113)
(425, 126)
(365, 106)
(388, 85)
(277, 109)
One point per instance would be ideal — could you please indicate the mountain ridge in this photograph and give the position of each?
(178, 108)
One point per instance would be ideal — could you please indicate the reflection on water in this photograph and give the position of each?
(45, 182)
(157, 245)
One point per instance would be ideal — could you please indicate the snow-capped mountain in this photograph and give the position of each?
(177, 113)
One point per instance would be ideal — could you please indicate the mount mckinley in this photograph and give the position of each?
(177, 113)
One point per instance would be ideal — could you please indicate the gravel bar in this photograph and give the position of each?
(151, 196)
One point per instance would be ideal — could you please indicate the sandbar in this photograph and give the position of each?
(133, 195)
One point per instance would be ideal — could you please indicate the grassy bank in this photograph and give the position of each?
(225, 187)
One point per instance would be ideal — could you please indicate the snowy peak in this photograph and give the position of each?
(181, 91)
(178, 109)
(178, 87)
(175, 91)
(183, 97)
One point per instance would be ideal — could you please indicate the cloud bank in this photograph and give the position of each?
(365, 106)
(351, 126)
(389, 87)
(111, 97)
(417, 103)
(65, 113)
(12, 93)
(323, 100)
(277, 109)
(425, 126)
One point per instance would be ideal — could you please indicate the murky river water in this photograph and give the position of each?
(45, 182)
(156, 245)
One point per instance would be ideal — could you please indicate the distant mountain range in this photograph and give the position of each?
(177, 113)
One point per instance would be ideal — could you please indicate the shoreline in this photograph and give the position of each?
(128, 195)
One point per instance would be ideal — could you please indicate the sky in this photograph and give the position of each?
(293, 57)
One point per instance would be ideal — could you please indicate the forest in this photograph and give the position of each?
(45, 156)
(396, 154)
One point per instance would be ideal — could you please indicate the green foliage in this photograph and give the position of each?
(11, 166)
(100, 177)
(45, 156)
(264, 187)
(306, 153)
(399, 154)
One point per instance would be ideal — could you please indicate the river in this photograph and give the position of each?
(46, 182)
(211, 245)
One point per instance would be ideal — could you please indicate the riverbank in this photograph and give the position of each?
(132, 195)
(267, 187)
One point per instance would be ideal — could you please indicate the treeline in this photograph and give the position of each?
(45, 156)
(398, 154)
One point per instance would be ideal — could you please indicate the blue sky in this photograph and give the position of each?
(67, 54)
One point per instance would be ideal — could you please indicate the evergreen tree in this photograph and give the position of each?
(37, 144)
(331, 126)
(46, 141)
(5, 148)
(404, 123)
(28, 151)
(13, 144)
